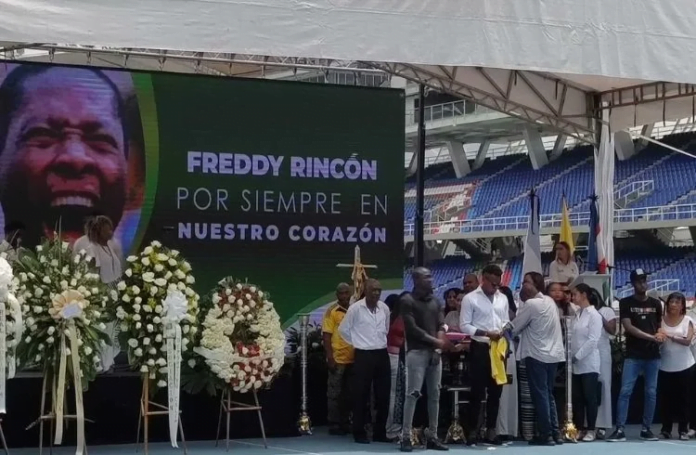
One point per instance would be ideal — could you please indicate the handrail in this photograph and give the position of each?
(521, 223)
(442, 111)
(660, 286)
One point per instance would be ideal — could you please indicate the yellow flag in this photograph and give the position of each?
(566, 230)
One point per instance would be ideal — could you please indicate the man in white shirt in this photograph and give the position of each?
(365, 327)
(484, 313)
(541, 349)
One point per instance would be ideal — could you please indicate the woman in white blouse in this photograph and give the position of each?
(609, 318)
(563, 269)
(99, 242)
(676, 366)
(585, 334)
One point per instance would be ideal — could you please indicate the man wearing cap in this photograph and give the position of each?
(641, 316)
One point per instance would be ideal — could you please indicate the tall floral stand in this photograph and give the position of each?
(2, 439)
(43, 418)
(228, 406)
(149, 409)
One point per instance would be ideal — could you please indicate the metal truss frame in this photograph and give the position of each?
(534, 97)
(530, 96)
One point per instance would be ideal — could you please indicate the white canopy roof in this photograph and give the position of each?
(537, 59)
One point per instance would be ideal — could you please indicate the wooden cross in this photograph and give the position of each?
(359, 274)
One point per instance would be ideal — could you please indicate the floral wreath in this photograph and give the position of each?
(156, 284)
(58, 288)
(11, 328)
(242, 342)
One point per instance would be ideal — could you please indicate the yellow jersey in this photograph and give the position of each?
(342, 351)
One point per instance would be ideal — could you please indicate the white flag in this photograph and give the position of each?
(532, 244)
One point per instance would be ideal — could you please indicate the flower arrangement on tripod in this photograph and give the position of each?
(155, 296)
(62, 299)
(242, 342)
(64, 305)
(11, 328)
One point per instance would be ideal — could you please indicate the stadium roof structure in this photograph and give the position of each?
(557, 63)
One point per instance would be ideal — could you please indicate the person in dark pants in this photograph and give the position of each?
(339, 360)
(541, 349)
(424, 327)
(586, 330)
(484, 313)
(365, 327)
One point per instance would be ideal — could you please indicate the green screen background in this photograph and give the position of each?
(182, 113)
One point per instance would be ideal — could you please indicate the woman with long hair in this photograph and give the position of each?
(563, 269)
(609, 320)
(676, 366)
(100, 244)
(452, 306)
(585, 332)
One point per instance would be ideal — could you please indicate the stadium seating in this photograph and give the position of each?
(670, 264)
(502, 183)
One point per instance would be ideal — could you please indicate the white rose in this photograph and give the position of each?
(190, 279)
(158, 338)
(126, 298)
(252, 289)
(148, 250)
(121, 286)
(143, 369)
(138, 325)
(146, 340)
(149, 328)
(145, 261)
(172, 262)
(38, 292)
(88, 350)
(46, 280)
(138, 352)
(260, 294)
(51, 330)
(138, 300)
(151, 362)
(161, 383)
(161, 282)
(158, 309)
(131, 259)
(49, 340)
(153, 290)
(192, 363)
(162, 257)
(133, 343)
(129, 273)
(155, 244)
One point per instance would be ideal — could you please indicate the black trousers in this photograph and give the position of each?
(371, 370)
(483, 386)
(674, 391)
(585, 400)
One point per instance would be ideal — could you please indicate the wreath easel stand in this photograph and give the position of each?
(228, 406)
(146, 413)
(2, 439)
(43, 417)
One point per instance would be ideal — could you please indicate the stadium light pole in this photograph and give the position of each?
(418, 239)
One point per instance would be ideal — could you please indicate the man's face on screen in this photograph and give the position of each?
(66, 150)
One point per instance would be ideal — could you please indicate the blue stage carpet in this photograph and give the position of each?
(322, 444)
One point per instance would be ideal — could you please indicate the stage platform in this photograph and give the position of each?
(321, 443)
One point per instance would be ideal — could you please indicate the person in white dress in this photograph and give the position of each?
(99, 243)
(676, 367)
(609, 318)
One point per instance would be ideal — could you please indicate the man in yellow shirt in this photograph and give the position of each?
(339, 358)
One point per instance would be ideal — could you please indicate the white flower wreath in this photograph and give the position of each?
(242, 343)
(52, 278)
(149, 279)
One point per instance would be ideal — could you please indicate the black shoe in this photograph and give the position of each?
(617, 436)
(471, 440)
(406, 445)
(647, 435)
(362, 439)
(558, 439)
(536, 441)
(664, 434)
(496, 441)
(435, 444)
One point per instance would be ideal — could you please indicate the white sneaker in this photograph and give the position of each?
(691, 433)
(589, 436)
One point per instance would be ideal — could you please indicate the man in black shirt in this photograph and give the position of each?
(641, 317)
(425, 340)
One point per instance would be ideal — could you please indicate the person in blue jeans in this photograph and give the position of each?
(641, 316)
